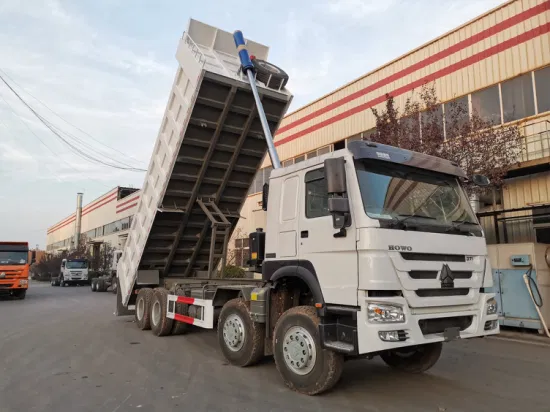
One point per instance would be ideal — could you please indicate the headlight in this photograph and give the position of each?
(492, 306)
(23, 282)
(383, 313)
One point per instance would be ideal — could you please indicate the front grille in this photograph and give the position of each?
(433, 257)
(432, 274)
(430, 293)
(423, 274)
(429, 326)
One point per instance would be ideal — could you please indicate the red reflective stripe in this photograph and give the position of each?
(505, 45)
(183, 318)
(126, 208)
(60, 223)
(185, 299)
(461, 45)
(128, 201)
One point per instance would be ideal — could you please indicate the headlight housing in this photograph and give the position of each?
(492, 306)
(23, 282)
(385, 313)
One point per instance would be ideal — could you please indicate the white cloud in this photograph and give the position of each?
(358, 9)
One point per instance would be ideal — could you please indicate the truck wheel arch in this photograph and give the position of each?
(306, 273)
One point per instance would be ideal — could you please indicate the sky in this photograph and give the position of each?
(101, 71)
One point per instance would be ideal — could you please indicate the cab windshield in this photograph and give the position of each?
(13, 258)
(77, 264)
(398, 193)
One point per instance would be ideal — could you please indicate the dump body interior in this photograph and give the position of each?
(209, 148)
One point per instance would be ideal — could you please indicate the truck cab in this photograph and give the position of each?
(73, 271)
(14, 268)
(387, 244)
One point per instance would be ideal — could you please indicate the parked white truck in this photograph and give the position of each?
(369, 250)
(73, 271)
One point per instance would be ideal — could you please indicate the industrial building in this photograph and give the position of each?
(105, 219)
(498, 64)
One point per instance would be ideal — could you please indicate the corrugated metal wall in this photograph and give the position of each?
(509, 41)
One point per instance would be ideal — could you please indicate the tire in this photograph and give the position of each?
(298, 328)
(161, 325)
(181, 328)
(100, 285)
(241, 340)
(269, 74)
(93, 285)
(143, 308)
(62, 282)
(414, 359)
(20, 294)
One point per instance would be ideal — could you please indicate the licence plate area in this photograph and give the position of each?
(450, 327)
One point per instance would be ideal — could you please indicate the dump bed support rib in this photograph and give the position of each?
(198, 183)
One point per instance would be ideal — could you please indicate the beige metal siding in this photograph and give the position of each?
(514, 60)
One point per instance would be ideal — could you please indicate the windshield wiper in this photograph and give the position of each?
(458, 224)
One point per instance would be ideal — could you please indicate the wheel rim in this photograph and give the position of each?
(233, 332)
(140, 310)
(299, 350)
(155, 313)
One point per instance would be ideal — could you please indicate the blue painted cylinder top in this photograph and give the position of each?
(243, 52)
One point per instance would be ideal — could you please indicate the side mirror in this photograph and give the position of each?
(338, 204)
(481, 180)
(335, 173)
(265, 194)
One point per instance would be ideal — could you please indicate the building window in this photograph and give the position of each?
(242, 252)
(432, 121)
(299, 159)
(411, 125)
(518, 100)
(542, 84)
(316, 194)
(312, 154)
(288, 162)
(486, 104)
(324, 150)
(340, 144)
(456, 116)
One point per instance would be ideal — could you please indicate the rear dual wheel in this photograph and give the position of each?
(161, 324)
(143, 308)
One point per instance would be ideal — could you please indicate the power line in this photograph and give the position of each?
(74, 148)
(45, 145)
(66, 121)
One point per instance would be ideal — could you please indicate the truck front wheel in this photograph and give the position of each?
(241, 339)
(303, 364)
(20, 294)
(143, 308)
(415, 359)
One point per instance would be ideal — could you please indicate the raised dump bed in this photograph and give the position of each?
(209, 148)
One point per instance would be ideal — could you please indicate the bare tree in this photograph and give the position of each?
(471, 141)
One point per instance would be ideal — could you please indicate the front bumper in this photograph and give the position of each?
(17, 283)
(424, 325)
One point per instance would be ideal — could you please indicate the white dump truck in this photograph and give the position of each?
(369, 250)
(73, 271)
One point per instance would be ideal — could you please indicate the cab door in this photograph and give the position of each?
(334, 259)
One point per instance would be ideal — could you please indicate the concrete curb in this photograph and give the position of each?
(528, 338)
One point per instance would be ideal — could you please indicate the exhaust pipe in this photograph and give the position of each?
(78, 223)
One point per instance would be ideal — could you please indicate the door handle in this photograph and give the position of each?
(304, 233)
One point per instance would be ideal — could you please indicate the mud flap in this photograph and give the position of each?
(120, 309)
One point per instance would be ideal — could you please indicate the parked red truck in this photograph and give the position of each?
(15, 262)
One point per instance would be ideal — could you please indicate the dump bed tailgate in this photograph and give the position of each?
(208, 151)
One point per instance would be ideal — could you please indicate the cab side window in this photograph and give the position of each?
(316, 194)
